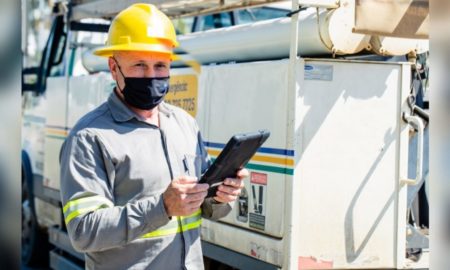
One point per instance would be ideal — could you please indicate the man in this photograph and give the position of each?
(129, 168)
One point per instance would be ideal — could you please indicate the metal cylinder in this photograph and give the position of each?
(398, 46)
(330, 33)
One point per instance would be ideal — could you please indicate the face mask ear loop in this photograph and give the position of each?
(120, 70)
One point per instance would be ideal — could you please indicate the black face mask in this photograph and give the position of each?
(144, 93)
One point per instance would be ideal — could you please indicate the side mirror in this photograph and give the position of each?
(30, 79)
(34, 78)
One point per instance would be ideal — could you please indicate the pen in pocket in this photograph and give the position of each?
(186, 167)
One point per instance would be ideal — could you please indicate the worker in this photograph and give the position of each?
(129, 168)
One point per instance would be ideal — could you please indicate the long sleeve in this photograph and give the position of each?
(94, 222)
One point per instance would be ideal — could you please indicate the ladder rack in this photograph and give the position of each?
(107, 9)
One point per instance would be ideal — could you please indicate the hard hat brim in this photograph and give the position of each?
(107, 51)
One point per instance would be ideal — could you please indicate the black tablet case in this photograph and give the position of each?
(234, 156)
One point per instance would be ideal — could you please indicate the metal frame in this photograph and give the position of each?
(416, 122)
(60, 239)
(108, 8)
(290, 185)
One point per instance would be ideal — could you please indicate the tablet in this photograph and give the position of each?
(234, 156)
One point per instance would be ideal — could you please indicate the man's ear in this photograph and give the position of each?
(112, 67)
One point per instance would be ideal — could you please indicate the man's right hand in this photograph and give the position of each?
(184, 196)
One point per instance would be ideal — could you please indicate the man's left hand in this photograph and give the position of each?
(230, 189)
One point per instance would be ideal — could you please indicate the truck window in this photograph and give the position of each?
(217, 20)
(250, 15)
(57, 69)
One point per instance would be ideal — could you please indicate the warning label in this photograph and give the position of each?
(258, 199)
(257, 221)
(258, 178)
(258, 195)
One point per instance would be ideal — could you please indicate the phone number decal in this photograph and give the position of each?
(183, 93)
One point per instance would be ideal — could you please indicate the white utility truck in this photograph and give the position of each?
(338, 185)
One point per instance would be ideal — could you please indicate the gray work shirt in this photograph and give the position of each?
(114, 169)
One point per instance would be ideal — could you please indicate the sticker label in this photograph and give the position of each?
(257, 208)
(258, 178)
(257, 221)
(318, 72)
(259, 199)
(183, 93)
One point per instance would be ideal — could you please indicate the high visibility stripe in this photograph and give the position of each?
(82, 211)
(77, 207)
(92, 200)
(184, 223)
(196, 213)
(163, 232)
(193, 225)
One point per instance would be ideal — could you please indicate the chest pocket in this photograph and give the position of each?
(192, 165)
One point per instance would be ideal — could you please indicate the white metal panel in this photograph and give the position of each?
(250, 243)
(87, 93)
(56, 101)
(349, 163)
(248, 97)
(33, 130)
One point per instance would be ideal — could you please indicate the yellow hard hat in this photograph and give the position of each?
(140, 27)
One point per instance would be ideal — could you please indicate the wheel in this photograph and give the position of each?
(35, 246)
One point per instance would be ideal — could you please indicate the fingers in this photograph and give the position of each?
(234, 182)
(231, 187)
(242, 173)
(224, 197)
(185, 179)
(193, 197)
(190, 188)
(184, 196)
(230, 190)
(195, 204)
(188, 184)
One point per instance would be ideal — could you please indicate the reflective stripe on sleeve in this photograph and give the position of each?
(81, 206)
(177, 225)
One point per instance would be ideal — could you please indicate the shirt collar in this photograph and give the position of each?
(121, 113)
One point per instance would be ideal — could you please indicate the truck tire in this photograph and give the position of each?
(35, 246)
